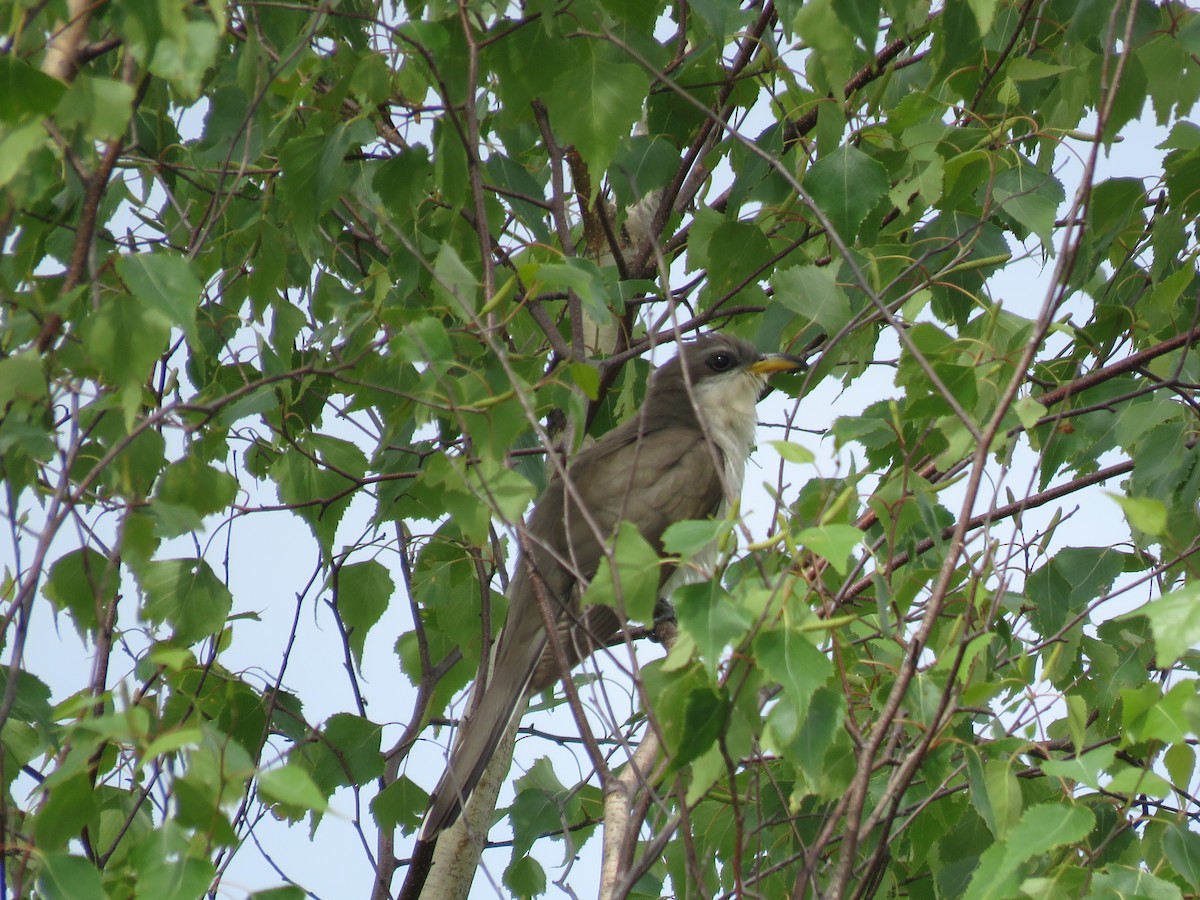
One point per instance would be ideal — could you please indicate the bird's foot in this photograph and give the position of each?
(665, 625)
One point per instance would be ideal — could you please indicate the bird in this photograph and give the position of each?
(681, 456)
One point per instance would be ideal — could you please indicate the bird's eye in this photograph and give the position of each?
(721, 362)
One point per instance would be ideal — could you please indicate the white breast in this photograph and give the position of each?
(728, 406)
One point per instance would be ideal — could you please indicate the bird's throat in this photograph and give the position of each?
(727, 407)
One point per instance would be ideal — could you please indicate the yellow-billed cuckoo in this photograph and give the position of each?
(682, 456)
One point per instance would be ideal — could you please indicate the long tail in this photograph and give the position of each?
(515, 661)
(479, 737)
(503, 700)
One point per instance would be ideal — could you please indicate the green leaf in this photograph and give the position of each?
(286, 892)
(1004, 795)
(84, 583)
(1146, 514)
(291, 787)
(847, 184)
(165, 283)
(17, 145)
(690, 537)
(789, 658)
(1133, 780)
(446, 482)
(594, 105)
(1175, 622)
(705, 712)
(139, 541)
(1121, 882)
(66, 877)
(817, 735)
(1008, 93)
(736, 254)
(1073, 578)
(1180, 762)
(1182, 847)
(507, 491)
(171, 877)
(424, 340)
(21, 379)
(525, 877)
(25, 91)
(710, 616)
(319, 492)
(1087, 769)
(457, 286)
(700, 239)
(861, 17)
(793, 453)
(834, 543)
(586, 378)
(630, 582)
(1029, 411)
(538, 806)
(832, 45)
(346, 752)
(690, 710)
(401, 804)
(721, 18)
(188, 491)
(69, 807)
(1041, 829)
(172, 741)
(314, 176)
(1031, 197)
(124, 340)
(187, 594)
(402, 181)
(1172, 81)
(993, 879)
(32, 697)
(185, 50)
(364, 591)
(101, 105)
(1148, 714)
(641, 166)
(584, 278)
(522, 188)
(813, 292)
(985, 13)
(1025, 68)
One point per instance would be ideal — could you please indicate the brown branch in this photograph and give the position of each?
(470, 142)
(674, 195)
(558, 202)
(1002, 57)
(85, 230)
(621, 821)
(550, 621)
(387, 863)
(1130, 363)
(802, 125)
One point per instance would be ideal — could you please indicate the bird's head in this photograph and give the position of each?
(714, 361)
(720, 375)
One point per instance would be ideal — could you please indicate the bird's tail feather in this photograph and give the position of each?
(503, 698)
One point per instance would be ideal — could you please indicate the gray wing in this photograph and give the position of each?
(653, 480)
(666, 477)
